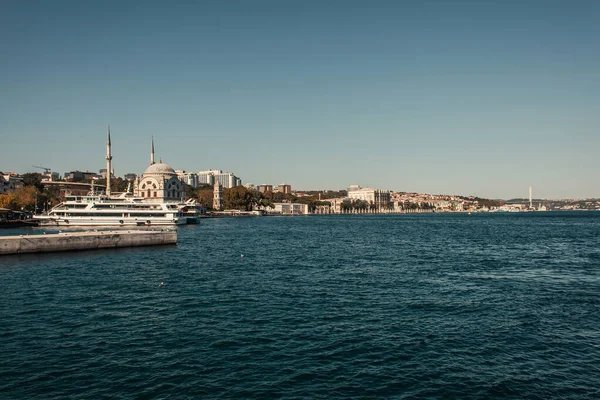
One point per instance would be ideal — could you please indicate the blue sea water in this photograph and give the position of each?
(394, 306)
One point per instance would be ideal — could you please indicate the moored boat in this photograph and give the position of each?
(15, 219)
(102, 210)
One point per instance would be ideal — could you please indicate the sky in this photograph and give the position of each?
(478, 97)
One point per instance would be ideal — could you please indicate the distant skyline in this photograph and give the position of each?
(481, 98)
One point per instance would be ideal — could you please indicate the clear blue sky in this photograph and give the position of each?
(466, 97)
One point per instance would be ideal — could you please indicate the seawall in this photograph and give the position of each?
(84, 241)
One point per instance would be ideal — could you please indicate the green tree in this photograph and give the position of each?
(33, 179)
(195, 192)
(346, 205)
(116, 184)
(204, 197)
(266, 203)
(238, 198)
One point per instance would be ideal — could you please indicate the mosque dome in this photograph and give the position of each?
(160, 168)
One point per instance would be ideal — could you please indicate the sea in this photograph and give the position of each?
(416, 306)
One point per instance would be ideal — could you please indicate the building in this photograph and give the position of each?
(227, 179)
(206, 177)
(102, 173)
(189, 178)
(284, 188)
(159, 181)
(9, 183)
(291, 208)
(380, 198)
(265, 189)
(73, 188)
(130, 176)
(4, 185)
(79, 176)
(218, 197)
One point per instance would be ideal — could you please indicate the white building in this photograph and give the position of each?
(9, 183)
(381, 198)
(218, 197)
(189, 178)
(227, 179)
(291, 208)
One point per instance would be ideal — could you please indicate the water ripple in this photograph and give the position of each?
(409, 306)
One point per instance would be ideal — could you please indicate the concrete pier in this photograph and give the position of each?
(84, 241)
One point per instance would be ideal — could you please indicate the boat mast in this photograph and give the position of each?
(108, 163)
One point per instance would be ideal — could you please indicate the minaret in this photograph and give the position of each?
(152, 152)
(108, 163)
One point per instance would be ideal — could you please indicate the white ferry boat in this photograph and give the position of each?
(157, 200)
(102, 210)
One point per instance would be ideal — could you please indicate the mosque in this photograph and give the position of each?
(159, 182)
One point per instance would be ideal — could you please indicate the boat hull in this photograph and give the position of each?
(17, 224)
(82, 221)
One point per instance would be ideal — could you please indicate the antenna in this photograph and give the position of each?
(530, 197)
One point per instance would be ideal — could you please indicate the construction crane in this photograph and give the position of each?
(46, 170)
(47, 175)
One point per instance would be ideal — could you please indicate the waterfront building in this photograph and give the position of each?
(218, 196)
(380, 198)
(227, 179)
(291, 208)
(159, 181)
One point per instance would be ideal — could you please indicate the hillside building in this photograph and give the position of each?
(226, 179)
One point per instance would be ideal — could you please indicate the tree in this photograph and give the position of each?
(194, 192)
(279, 197)
(266, 203)
(21, 199)
(205, 197)
(7, 201)
(346, 205)
(238, 198)
(33, 179)
(116, 184)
